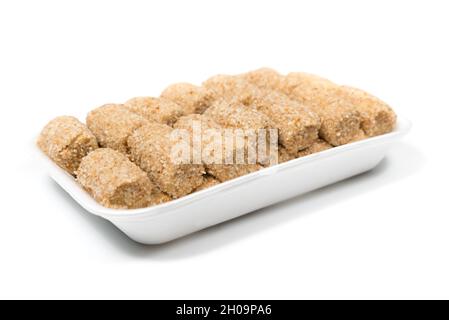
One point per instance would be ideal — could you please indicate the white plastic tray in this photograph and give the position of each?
(237, 197)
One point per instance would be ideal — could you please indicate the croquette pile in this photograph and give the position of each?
(121, 156)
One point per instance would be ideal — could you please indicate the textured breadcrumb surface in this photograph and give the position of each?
(265, 78)
(209, 181)
(114, 181)
(134, 166)
(221, 170)
(205, 121)
(377, 117)
(317, 146)
(284, 155)
(298, 125)
(232, 88)
(150, 148)
(340, 121)
(159, 197)
(66, 141)
(112, 124)
(156, 109)
(233, 114)
(191, 98)
(345, 111)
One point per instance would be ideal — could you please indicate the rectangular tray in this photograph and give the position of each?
(231, 199)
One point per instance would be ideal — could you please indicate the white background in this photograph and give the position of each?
(384, 234)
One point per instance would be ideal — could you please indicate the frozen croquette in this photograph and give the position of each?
(265, 78)
(233, 114)
(339, 125)
(112, 124)
(232, 88)
(66, 141)
(317, 146)
(114, 181)
(191, 98)
(156, 109)
(377, 117)
(340, 122)
(298, 125)
(150, 147)
(216, 165)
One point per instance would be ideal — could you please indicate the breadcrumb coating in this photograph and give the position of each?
(265, 78)
(209, 181)
(159, 197)
(298, 125)
(114, 181)
(156, 109)
(206, 122)
(150, 147)
(285, 156)
(66, 141)
(192, 99)
(354, 108)
(221, 171)
(112, 124)
(232, 88)
(317, 146)
(340, 122)
(377, 117)
(226, 172)
(233, 114)
(309, 83)
(360, 136)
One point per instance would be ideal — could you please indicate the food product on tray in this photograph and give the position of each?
(298, 125)
(265, 78)
(192, 99)
(66, 141)
(112, 124)
(220, 161)
(232, 88)
(377, 117)
(152, 150)
(114, 181)
(340, 122)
